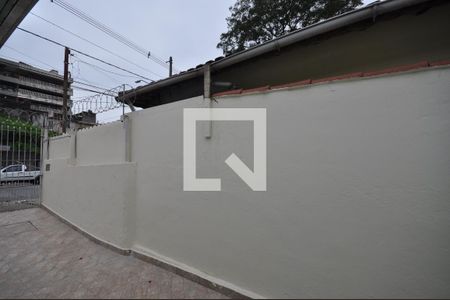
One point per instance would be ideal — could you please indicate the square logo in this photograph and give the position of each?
(256, 179)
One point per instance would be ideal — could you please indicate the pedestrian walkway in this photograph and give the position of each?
(41, 257)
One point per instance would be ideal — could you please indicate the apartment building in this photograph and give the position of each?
(32, 94)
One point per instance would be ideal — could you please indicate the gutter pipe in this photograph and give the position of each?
(367, 12)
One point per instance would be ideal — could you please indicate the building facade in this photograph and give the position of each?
(84, 119)
(32, 94)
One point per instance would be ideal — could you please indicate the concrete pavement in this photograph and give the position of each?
(41, 257)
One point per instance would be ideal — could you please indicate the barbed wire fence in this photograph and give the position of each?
(102, 102)
(23, 133)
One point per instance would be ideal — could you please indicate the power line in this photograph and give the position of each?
(104, 70)
(90, 90)
(98, 25)
(100, 90)
(96, 45)
(81, 78)
(32, 58)
(100, 72)
(90, 85)
(108, 31)
(82, 53)
(93, 22)
(8, 57)
(83, 89)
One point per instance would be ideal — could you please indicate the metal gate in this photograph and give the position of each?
(20, 172)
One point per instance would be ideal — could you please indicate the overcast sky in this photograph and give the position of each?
(188, 30)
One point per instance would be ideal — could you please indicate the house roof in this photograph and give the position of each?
(370, 11)
(350, 76)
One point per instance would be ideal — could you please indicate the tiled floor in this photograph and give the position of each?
(41, 257)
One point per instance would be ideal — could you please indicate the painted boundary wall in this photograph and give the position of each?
(91, 184)
(357, 203)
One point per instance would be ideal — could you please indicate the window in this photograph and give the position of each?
(16, 168)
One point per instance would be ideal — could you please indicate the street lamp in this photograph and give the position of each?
(141, 80)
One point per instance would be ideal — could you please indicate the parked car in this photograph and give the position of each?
(19, 172)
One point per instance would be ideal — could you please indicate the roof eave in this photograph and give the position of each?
(351, 17)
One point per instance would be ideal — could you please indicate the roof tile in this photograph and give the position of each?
(226, 93)
(255, 90)
(422, 64)
(439, 63)
(291, 84)
(419, 65)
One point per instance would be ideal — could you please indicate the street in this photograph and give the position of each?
(19, 191)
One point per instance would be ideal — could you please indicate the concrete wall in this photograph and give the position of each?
(91, 184)
(101, 145)
(357, 203)
(59, 147)
(98, 199)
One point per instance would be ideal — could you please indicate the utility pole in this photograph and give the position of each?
(65, 88)
(170, 66)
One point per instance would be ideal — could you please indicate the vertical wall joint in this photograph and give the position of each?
(127, 130)
(207, 96)
(73, 147)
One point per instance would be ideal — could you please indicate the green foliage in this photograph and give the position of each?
(16, 123)
(258, 21)
(21, 135)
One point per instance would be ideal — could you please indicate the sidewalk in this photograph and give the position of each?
(41, 257)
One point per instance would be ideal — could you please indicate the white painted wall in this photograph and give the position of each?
(101, 145)
(91, 185)
(98, 199)
(357, 202)
(59, 147)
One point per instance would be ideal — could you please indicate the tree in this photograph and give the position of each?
(254, 22)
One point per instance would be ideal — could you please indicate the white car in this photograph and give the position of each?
(19, 173)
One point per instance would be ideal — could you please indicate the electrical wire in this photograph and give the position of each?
(95, 23)
(82, 53)
(89, 84)
(101, 73)
(102, 69)
(32, 58)
(90, 90)
(96, 45)
(7, 57)
(98, 25)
